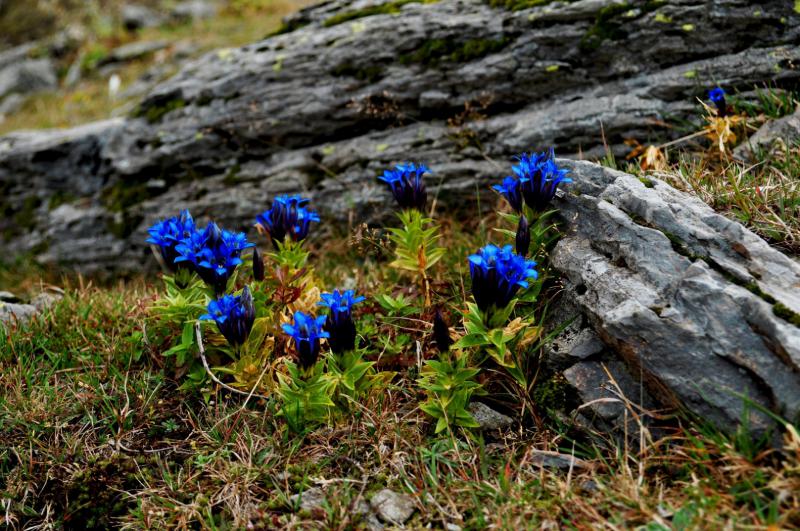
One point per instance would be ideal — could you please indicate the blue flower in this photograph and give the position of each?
(214, 254)
(340, 326)
(406, 184)
(497, 274)
(287, 217)
(510, 189)
(717, 97)
(306, 333)
(539, 177)
(168, 233)
(234, 316)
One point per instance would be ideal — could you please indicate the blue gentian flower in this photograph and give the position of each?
(510, 189)
(523, 237)
(306, 332)
(717, 97)
(214, 254)
(539, 177)
(167, 234)
(287, 217)
(234, 315)
(340, 325)
(497, 274)
(406, 184)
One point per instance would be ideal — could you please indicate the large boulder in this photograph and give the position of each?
(352, 86)
(705, 314)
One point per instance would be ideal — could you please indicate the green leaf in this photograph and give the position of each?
(472, 340)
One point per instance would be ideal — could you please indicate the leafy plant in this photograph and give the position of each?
(305, 397)
(417, 246)
(449, 384)
(398, 306)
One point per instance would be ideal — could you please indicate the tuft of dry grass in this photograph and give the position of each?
(94, 433)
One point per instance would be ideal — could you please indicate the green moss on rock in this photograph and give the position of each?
(383, 9)
(435, 50)
(610, 22)
(517, 5)
(154, 113)
(371, 73)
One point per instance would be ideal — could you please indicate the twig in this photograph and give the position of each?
(216, 380)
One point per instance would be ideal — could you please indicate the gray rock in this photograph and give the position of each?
(391, 507)
(27, 76)
(7, 296)
(488, 418)
(134, 50)
(75, 71)
(556, 460)
(13, 313)
(368, 516)
(11, 104)
(135, 17)
(248, 116)
(684, 296)
(193, 10)
(47, 299)
(611, 400)
(309, 500)
(16, 54)
(782, 132)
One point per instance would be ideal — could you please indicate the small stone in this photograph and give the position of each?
(135, 50)
(369, 518)
(28, 76)
(488, 418)
(135, 16)
(194, 10)
(452, 527)
(7, 296)
(392, 507)
(46, 299)
(309, 499)
(780, 132)
(557, 460)
(11, 313)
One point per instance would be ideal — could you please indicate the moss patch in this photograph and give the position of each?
(382, 9)
(517, 5)
(435, 50)
(286, 28)
(154, 113)
(551, 395)
(371, 73)
(610, 23)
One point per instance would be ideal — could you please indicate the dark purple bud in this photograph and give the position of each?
(441, 332)
(258, 266)
(523, 240)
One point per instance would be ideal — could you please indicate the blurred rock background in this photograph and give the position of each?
(68, 62)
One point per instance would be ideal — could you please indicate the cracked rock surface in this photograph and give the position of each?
(693, 302)
(326, 107)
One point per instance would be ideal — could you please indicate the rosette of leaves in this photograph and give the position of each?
(305, 396)
(449, 384)
(417, 247)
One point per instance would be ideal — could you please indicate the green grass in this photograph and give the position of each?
(94, 433)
